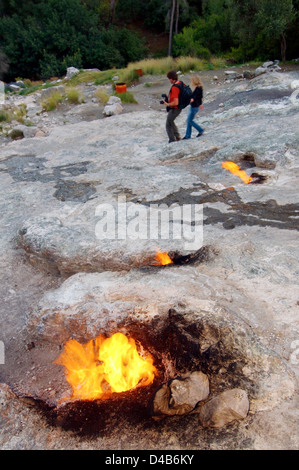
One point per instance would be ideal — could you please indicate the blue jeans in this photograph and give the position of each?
(191, 123)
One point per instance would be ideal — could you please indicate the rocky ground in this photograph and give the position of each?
(231, 312)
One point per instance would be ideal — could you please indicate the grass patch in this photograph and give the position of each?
(126, 97)
(16, 134)
(19, 113)
(102, 95)
(5, 116)
(85, 77)
(29, 90)
(74, 96)
(52, 102)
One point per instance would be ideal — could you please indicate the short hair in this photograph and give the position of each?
(172, 75)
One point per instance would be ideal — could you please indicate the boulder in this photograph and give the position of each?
(225, 408)
(113, 106)
(28, 131)
(71, 72)
(181, 395)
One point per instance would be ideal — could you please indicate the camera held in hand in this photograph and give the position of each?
(164, 99)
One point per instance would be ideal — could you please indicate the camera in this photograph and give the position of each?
(164, 99)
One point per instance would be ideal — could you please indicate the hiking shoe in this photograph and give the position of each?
(199, 134)
(186, 138)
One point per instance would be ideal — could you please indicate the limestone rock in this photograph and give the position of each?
(28, 131)
(225, 408)
(232, 74)
(71, 72)
(181, 395)
(113, 106)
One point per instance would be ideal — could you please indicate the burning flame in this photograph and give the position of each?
(235, 169)
(100, 367)
(163, 258)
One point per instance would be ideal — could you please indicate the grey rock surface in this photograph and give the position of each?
(240, 300)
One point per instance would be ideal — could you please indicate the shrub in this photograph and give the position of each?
(20, 112)
(5, 116)
(126, 97)
(16, 134)
(74, 96)
(102, 95)
(52, 102)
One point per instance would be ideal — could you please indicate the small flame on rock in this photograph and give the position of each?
(235, 169)
(105, 365)
(163, 258)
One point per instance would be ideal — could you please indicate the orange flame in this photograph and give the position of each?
(163, 258)
(103, 366)
(235, 169)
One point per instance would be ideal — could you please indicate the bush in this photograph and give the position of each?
(187, 44)
(102, 95)
(5, 116)
(126, 97)
(45, 38)
(52, 102)
(74, 96)
(16, 134)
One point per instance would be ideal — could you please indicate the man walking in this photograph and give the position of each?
(173, 107)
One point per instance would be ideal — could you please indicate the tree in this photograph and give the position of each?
(112, 10)
(57, 34)
(174, 4)
(273, 17)
(257, 21)
(3, 64)
(174, 11)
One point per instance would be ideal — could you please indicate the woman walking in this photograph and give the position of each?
(195, 105)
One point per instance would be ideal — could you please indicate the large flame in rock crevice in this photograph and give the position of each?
(105, 365)
(235, 170)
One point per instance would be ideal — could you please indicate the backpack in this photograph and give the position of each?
(185, 95)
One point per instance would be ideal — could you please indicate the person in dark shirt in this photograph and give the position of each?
(195, 105)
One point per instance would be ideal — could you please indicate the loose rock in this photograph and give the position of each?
(181, 395)
(227, 407)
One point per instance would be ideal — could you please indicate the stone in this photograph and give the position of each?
(181, 395)
(187, 392)
(113, 106)
(248, 75)
(227, 407)
(28, 131)
(71, 72)
(40, 133)
(231, 74)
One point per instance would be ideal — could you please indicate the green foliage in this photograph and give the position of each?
(41, 38)
(74, 96)
(5, 116)
(51, 103)
(264, 25)
(126, 97)
(42, 41)
(16, 134)
(207, 35)
(186, 43)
